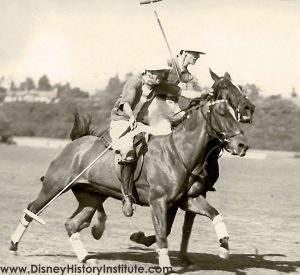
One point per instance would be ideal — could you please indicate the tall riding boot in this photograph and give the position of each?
(126, 174)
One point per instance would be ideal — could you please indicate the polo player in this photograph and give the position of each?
(164, 108)
(127, 116)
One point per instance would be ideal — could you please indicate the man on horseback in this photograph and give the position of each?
(164, 108)
(128, 113)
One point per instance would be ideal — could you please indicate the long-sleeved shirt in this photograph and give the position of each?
(139, 96)
(173, 79)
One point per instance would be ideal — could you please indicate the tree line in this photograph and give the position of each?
(275, 126)
(44, 84)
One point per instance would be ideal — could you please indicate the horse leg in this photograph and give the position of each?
(140, 238)
(199, 205)
(81, 218)
(159, 218)
(189, 218)
(99, 227)
(46, 194)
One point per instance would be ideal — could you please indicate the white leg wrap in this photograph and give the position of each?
(224, 253)
(163, 257)
(78, 247)
(21, 228)
(220, 227)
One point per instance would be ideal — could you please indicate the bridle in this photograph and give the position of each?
(223, 137)
(236, 107)
(212, 131)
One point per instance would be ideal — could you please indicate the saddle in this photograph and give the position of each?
(140, 146)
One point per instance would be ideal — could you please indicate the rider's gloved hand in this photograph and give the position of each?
(206, 94)
(132, 123)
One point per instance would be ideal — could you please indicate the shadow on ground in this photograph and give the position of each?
(238, 263)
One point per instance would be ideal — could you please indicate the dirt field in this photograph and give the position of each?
(258, 198)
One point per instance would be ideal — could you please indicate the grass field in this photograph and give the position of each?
(258, 198)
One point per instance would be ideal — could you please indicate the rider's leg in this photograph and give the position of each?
(128, 156)
(127, 175)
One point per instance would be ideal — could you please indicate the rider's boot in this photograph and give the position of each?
(127, 178)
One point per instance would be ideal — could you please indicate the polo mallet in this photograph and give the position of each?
(36, 216)
(145, 2)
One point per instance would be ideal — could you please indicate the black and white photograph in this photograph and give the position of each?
(150, 137)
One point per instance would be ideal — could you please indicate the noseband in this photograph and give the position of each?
(217, 133)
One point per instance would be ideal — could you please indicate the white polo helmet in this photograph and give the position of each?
(155, 64)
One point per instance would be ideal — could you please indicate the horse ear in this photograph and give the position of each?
(213, 75)
(227, 75)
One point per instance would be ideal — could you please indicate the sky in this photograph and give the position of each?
(87, 42)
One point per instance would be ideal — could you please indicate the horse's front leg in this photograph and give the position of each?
(189, 218)
(140, 237)
(200, 205)
(159, 218)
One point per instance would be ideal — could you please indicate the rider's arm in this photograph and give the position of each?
(190, 94)
(193, 94)
(128, 111)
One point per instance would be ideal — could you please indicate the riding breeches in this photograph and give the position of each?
(125, 143)
(161, 113)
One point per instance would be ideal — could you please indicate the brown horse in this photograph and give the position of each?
(162, 182)
(208, 172)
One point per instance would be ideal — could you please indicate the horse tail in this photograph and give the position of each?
(81, 126)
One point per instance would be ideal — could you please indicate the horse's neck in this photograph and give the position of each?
(191, 140)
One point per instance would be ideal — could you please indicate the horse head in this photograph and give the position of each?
(223, 87)
(222, 124)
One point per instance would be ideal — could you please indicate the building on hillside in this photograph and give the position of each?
(32, 96)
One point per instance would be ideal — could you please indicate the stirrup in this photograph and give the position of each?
(133, 201)
(130, 158)
(126, 208)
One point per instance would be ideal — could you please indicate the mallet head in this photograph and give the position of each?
(144, 2)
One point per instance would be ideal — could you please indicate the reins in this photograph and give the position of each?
(196, 104)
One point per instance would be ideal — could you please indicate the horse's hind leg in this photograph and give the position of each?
(99, 227)
(199, 205)
(81, 218)
(141, 238)
(46, 194)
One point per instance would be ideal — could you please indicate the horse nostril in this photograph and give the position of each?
(243, 146)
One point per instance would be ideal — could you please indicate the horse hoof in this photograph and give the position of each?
(224, 253)
(138, 237)
(13, 247)
(96, 232)
(92, 262)
(185, 261)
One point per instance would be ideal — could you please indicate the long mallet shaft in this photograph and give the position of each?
(144, 2)
(81, 173)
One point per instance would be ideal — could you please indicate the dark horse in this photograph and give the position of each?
(168, 163)
(208, 171)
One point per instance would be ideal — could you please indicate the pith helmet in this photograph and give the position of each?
(190, 49)
(157, 65)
